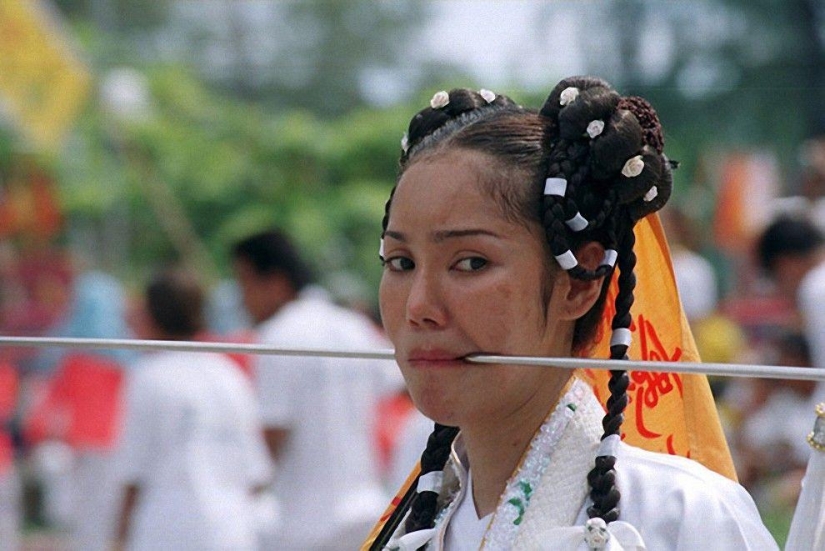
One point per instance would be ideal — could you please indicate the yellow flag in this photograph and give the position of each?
(668, 412)
(42, 85)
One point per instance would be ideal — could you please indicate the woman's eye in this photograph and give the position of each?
(472, 264)
(399, 264)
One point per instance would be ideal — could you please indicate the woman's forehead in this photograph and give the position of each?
(445, 187)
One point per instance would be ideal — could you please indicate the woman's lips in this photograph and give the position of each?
(435, 358)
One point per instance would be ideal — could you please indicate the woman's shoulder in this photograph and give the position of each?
(677, 503)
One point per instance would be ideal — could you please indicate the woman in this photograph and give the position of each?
(500, 238)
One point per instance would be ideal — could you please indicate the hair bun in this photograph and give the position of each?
(648, 120)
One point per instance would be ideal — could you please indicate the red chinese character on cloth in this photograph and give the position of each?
(647, 387)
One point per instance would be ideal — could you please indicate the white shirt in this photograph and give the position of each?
(327, 474)
(194, 446)
(810, 299)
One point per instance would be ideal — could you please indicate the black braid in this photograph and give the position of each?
(602, 477)
(423, 508)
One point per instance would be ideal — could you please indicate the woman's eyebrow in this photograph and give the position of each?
(442, 235)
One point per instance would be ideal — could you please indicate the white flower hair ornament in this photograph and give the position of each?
(568, 95)
(633, 167)
(595, 128)
(405, 143)
(488, 95)
(440, 100)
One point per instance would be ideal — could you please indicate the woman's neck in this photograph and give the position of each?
(495, 449)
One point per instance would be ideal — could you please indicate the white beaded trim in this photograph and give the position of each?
(651, 194)
(503, 528)
(555, 186)
(430, 482)
(621, 336)
(610, 256)
(567, 260)
(609, 446)
(577, 223)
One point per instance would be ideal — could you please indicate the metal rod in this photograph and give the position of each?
(727, 370)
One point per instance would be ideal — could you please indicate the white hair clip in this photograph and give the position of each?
(555, 186)
(595, 128)
(568, 95)
(567, 260)
(633, 167)
(610, 256)
(621, 337)
(488, 95)
(651, 194)
(430, 482)
(577, 223)
(405, 142)
(440, 99)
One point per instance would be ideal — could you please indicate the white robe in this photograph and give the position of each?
(667, 502)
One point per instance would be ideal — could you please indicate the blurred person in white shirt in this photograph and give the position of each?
(319, 414)
(192, 458)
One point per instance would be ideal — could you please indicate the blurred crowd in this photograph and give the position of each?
(110, 449)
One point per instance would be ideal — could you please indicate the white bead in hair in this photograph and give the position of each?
(567, 260)
(405, 142)
(621, 337)
(381, 250)
(651, 194)
(610, 256)
(577, 223)
(595, 128)
(568, 95)
(430, 482)
(440, 99)
(488, 95)
(633, 167)
(555, 186)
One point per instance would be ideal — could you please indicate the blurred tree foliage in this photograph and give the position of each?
(234, 169)
(722, 74)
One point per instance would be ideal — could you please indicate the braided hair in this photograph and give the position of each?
(587, 166)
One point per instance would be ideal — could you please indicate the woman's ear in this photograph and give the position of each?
(580, 295)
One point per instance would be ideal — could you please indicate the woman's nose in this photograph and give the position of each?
(425, 303)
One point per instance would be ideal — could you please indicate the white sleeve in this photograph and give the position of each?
(810, 299)
(137, 445)
(679, 505)
(279, 388)
(258, 464)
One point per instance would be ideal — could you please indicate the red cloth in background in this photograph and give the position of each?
(82, 404)
(8, 401)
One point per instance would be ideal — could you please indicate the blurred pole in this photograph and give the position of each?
(126, 97)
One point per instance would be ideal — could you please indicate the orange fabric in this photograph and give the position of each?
(390, 508)
(82, 405)
(668, 412)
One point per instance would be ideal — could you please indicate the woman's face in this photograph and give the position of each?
(460, 279)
